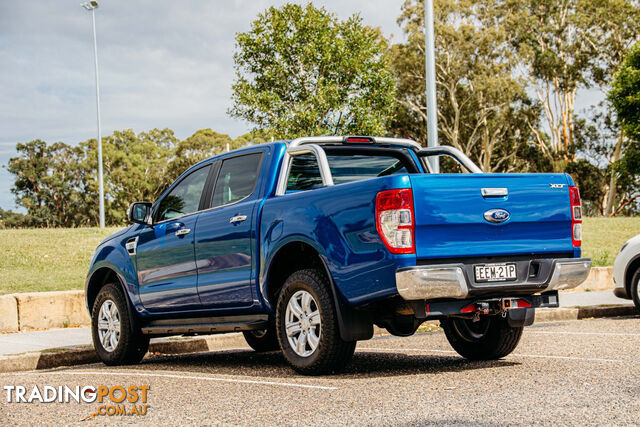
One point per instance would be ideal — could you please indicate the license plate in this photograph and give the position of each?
(495, 272)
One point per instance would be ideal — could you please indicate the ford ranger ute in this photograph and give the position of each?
(305, 245)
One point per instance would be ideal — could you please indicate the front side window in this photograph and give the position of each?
(237, 179)
(184, 199)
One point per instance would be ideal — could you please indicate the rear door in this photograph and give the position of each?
(477, 215)
(226, 237)
(165, 256)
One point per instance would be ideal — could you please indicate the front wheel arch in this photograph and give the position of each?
(632, 267)
(102, 277)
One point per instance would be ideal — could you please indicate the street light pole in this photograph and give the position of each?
(430, 75)
(92, 6)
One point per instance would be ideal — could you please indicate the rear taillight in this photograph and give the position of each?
(576, 216)
(395, 220)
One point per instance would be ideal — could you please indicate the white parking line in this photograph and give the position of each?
(187, 377)
(606, 334)
(540, 356)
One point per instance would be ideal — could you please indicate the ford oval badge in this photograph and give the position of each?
(497, 216)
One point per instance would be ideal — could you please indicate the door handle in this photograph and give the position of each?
(183, 232)
(237, 218)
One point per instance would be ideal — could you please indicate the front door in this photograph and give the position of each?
(165, 256)
(225, 237)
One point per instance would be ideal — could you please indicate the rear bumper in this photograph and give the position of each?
(453, 281)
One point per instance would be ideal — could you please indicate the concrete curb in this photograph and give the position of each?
(599, 279)
(56, 358)
(560, 314)
(9, 314)
(82, 355)
(46, 310)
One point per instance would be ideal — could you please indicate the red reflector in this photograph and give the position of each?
(574, 193)
(469, 309)
(523, 304)
(395, 199)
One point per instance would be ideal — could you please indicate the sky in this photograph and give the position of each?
(162, 64)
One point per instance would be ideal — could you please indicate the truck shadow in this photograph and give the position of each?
(365, 364)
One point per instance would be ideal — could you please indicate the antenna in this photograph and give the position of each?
(335, 132)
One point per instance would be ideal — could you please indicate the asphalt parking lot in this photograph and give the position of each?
(576, 372)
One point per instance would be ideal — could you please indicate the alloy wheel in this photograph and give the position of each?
(303, 323)
(109, 325)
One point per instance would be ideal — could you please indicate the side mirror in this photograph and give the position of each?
(140, 213)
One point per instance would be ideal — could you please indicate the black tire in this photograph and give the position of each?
(332, 354)
(490, 338)
(263, 340)
(635, 289)
(132, 344)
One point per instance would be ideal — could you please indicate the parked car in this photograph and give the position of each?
(304, 245)
(626, 271)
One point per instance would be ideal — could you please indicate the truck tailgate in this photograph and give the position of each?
(450, 215)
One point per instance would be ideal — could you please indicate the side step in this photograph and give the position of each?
(206, 325)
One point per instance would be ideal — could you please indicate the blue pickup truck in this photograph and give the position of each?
(305, 245)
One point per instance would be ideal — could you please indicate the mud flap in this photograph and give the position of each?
(354, 325)
(518, 317)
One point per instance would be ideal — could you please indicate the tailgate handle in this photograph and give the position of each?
(495, 192)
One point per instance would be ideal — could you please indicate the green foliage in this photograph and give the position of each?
(483, 109)
(625, 98)
(57, 184)
(299, 69)
(625, 93)
(10, 219)
(136, 167)
(199, 146)
(47, 183)
(564, 46)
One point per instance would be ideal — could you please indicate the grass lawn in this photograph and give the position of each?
(603, 237)
(41, 259)
(58, 259)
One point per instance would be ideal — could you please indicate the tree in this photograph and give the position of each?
(202, 144)
(482, 108)
(136, 168)
(258, 136)
(300, 70)
(625, 98)
(614, 27)
(46, 182)
(566, 45)
(10, 219)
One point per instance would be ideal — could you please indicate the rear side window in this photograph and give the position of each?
(305, 174)
(237, 179)
(184, 199)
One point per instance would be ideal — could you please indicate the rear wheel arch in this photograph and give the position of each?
(288, 259)
(354, 325)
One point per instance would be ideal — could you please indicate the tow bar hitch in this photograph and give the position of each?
(489, 306)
